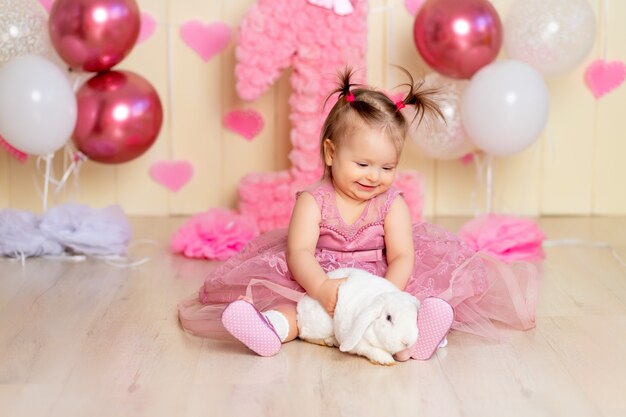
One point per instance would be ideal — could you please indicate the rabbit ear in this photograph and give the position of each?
(362, 322)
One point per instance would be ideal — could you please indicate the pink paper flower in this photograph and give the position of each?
(216, 234)
(507, 238)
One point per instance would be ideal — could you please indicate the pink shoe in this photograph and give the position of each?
(248, 325)
(433, 324)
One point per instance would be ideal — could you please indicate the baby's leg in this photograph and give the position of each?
(262, 332)
(254, 329)
(286, 326)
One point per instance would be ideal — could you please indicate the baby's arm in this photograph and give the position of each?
(304, 231)
(399, 243)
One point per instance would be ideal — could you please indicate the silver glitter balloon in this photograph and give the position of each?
(23, 29)
(553, 36)
(436, 138)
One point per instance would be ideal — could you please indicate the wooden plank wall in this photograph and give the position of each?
(575, 168)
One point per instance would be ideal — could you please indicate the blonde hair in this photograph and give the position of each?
(359, 104)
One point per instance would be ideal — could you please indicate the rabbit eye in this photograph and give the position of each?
(389, 318)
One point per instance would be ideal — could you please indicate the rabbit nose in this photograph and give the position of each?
(405, 344)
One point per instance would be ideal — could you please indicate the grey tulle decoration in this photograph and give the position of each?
(20, 236)
(88, 231)
(68, 228)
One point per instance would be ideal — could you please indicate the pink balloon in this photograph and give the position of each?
(457, 37)
(119, 117)
(94, 35)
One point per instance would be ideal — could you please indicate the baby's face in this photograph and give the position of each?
(364, 164)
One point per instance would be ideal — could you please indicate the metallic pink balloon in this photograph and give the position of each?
(94, 35)
(119, 117)
(457, 37)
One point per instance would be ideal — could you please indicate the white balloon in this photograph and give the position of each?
(23, 29)
(505, 107)
(37, 105)
(554, 36)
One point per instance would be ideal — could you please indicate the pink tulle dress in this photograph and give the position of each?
(481, 289)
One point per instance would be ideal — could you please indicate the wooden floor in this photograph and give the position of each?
(92, 339)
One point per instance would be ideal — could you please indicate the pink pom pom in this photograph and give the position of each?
(507, 238)
(216, 234)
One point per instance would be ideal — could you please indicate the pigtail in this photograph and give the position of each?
(424, 100)
(344, 86)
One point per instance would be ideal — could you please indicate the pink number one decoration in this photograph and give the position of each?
(317, 42)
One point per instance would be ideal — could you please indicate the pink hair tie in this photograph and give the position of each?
(400, 105)
(350, 97)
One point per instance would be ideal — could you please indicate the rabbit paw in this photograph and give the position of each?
(328, 342)
(380, 357)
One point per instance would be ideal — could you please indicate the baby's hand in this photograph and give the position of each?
(327, 294)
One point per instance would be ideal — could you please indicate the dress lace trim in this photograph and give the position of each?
(374, 212)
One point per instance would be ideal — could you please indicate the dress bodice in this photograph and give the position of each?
(365, 238)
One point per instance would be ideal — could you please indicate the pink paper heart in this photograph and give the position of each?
(603, 77)
(172, 174)
(248, 123)
(413, 6)
(148, 25)
(47, 4)
(205, 40)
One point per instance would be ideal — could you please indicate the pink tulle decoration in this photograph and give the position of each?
(21, 236)
(216, 234)
(90, 231)
(69, 228)
(507, 238)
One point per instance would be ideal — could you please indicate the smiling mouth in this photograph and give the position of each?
(366, 187)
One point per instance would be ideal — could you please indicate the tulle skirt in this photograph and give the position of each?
(483, 290)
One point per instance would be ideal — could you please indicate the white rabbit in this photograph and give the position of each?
(373, 318)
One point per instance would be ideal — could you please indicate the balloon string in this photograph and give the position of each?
(119, 261)
(50, 178)
(36, 178)
(479, 173)
(46, 184)
(72, 161)
(16, 256)
(113, 260)
(74, 168)
(128, 262)
(489, 179)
